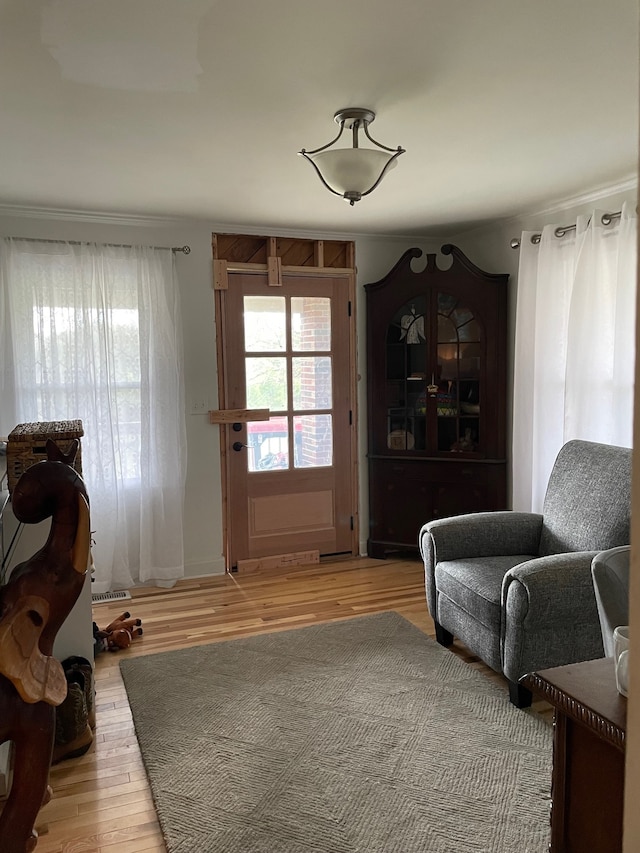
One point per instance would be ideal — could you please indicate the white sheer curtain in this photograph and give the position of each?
(574, 358)
(94, 332)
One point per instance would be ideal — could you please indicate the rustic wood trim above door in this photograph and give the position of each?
(274, 271)
(236, 266)
(251, 251)
(220, 278)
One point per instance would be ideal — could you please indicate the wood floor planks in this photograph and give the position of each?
(102, 802)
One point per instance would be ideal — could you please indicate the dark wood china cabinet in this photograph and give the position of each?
(436, 365)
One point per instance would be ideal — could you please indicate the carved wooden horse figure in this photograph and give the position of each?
(34, 603)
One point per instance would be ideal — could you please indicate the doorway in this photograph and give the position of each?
(286, 350)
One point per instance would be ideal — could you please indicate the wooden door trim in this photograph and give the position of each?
(306, 270)
(221, 334)
(231, 416)
(347, 250)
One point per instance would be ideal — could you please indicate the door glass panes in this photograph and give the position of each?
(310, 323)
(266, 379)
(313, 441)
(265, 324)
(268, 444)
(288, 372)
(311, 382)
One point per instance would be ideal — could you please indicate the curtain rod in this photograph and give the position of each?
(186, 250)
(561, 230)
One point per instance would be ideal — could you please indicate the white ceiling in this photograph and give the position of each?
(197, 108)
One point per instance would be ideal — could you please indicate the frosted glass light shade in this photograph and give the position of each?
(351, 170)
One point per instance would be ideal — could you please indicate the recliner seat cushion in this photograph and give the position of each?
(475, 585)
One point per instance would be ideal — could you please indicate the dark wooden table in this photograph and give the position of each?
(588, 755)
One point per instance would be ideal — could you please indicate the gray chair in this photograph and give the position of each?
(516, 587)
(610, 573)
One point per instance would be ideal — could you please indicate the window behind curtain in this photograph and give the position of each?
(94, 333)
(59, 327)
(574, 345)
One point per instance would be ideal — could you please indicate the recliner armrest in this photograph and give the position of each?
(477, 534)
(481, 534)
(549, 614)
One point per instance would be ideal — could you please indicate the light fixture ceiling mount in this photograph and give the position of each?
(352, 172)
(350, 116)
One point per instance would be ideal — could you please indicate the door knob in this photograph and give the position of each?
(238, 445)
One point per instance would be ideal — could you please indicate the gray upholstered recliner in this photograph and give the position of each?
(516, 587)
(610, 572)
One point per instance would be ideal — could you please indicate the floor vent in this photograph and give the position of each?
(102, 597)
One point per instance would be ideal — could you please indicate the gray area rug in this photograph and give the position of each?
(355, 736)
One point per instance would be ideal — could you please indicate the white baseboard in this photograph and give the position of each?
(205, 568)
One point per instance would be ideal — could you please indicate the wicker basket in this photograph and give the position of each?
(26, 446)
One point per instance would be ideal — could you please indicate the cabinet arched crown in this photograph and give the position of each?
(436, 352)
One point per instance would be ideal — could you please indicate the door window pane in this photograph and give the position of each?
(268, 442)
(266, 383)
(311, 382)
(311, 323)
(313, 441)
(265, 324)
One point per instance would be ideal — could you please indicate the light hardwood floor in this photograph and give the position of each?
(101, 801)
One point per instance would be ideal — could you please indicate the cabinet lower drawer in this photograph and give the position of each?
(398, 509)
(404, 495)
(439, 472)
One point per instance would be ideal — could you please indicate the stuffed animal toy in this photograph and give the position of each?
(120, 633)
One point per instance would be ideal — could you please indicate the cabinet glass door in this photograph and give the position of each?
(433, 388)
(406, 368)
(459, 363)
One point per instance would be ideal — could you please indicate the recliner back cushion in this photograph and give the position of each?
(587, 506)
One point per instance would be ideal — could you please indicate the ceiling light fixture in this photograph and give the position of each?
(353, 172)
